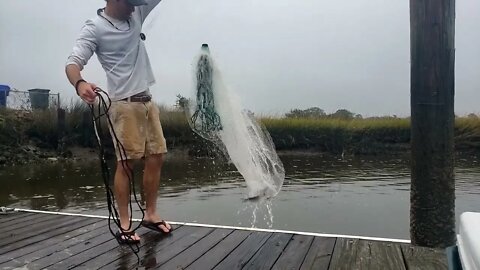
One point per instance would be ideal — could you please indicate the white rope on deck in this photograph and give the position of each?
(224, 227)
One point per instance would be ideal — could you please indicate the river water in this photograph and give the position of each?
(365, 196)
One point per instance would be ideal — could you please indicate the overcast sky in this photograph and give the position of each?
(275, 54)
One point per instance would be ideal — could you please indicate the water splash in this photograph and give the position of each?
(260, 212)
(217, 115)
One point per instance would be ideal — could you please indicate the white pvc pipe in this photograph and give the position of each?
(233, 227)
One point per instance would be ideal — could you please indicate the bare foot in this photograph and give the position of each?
(133, 237)
(165, 227)
(127, 237)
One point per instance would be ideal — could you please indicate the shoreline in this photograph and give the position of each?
(22, 155)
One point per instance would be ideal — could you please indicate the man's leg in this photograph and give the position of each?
(151, 181)
(123, 174)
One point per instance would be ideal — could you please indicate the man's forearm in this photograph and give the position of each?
(84, 89)
(73, 73)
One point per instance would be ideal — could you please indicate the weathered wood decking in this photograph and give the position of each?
(46, 241)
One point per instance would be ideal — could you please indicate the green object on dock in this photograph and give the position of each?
(39, 98)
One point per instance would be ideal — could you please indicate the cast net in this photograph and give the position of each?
(216, 114)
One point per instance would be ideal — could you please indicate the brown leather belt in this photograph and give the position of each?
(138, 98)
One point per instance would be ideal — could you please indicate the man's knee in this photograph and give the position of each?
(155, 160)
(125, 166)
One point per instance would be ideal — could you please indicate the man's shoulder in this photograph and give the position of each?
(95, 25)
(93, 22)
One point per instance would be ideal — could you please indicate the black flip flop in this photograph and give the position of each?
(154, 226)
(126, 238)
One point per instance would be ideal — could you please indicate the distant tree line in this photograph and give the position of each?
(316, 112)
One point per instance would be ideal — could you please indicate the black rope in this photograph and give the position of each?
(102, 110)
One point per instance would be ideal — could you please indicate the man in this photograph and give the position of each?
(115, 36)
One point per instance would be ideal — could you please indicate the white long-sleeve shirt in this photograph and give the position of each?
(121, 52)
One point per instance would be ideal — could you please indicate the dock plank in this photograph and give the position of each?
(215, 255)
(30, 226)
(93, 252)
(294, 254)
(48, 241)
(85, 255)
(21, 240)
(13, 215)
(64, 254)
(319, 254)
(195, 251)
(158, 252)
(62, 238)
(244, 252)
(363, 254)
(424, 258)
(114, 257)
(269, 252)
(154, 246)
(168, 253)
(24, 221)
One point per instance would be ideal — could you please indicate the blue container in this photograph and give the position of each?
(4, 90)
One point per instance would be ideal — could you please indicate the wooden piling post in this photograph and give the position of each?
(61, 130)
(432, 198)
(86, 128)
(61, 122)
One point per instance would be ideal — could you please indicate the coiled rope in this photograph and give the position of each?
(101, 109)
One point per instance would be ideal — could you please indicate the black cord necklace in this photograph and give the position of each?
(99, 13)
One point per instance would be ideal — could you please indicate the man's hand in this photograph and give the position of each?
(86, 91)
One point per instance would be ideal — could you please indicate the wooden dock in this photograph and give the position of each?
(53, 241)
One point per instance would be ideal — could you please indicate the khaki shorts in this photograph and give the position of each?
(138, 129)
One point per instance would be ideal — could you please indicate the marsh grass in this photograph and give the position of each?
(175, 126)
(337, 135)
(357, 136)
(12, 127)
(467, 132)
